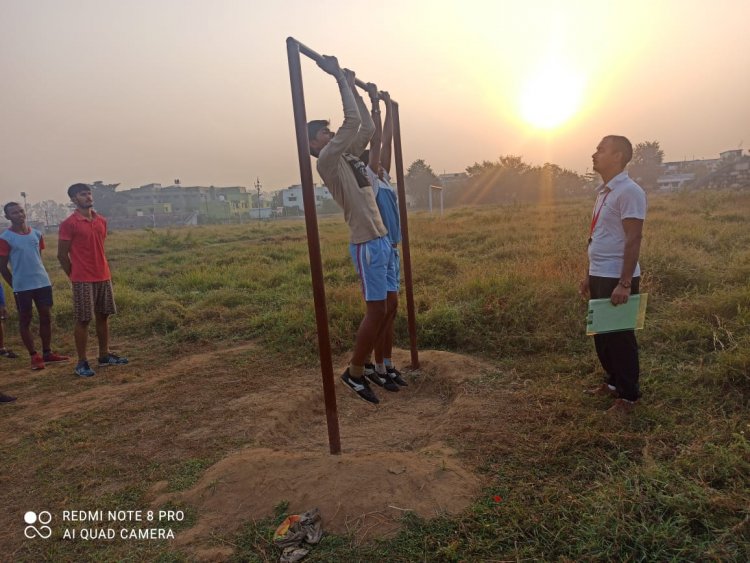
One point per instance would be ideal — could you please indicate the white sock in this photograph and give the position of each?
(380, 369)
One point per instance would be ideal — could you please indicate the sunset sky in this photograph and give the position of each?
(143, 91)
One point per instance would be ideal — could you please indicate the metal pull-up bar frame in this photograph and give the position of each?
(294, 49)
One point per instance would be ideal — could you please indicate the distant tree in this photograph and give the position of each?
(592, 178)
(515, 163)
(277, 198)
(510, 180)
(48, 212)
(645, 168)
(419, 178)
(477, 169)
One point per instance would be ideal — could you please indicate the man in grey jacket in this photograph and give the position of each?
(344, 174)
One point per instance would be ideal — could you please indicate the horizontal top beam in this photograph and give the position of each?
(317, 57)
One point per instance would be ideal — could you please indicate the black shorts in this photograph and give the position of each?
(42, 296)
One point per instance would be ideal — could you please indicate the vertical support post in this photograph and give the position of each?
(313, 244)
(429, 193)
(405, 237)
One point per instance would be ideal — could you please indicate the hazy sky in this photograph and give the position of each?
(141, 91)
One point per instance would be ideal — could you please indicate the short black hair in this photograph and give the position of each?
(314, 126)
(365, 156)
(9, 205)
(79, 187)
(622, 145)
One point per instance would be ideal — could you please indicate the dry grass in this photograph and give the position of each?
(499, 283)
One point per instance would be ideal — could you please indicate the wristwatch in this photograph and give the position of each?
(625, 284)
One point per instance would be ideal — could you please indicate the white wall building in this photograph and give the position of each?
(672, 182)
(292, 196)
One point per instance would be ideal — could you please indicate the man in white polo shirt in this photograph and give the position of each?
(614, 245)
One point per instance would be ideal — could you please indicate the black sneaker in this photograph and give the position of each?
(112, 360)
(395, 376)
(83, 369)
(360, 387)
(369, 369)
(6, 398)
(382, 380)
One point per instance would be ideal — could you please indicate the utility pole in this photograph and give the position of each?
(257, 187)
(25, 206)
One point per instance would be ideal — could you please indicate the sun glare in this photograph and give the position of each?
(551, 96)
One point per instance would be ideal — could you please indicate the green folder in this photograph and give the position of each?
(605, 317)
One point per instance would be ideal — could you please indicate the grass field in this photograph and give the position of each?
(211, 314)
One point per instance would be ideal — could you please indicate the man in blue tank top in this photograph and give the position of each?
(378, 160)
(21, 248)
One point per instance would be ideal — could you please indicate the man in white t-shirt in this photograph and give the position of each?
(614, 245)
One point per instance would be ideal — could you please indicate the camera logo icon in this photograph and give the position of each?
(43, 530)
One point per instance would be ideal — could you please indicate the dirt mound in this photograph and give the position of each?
(394, 461)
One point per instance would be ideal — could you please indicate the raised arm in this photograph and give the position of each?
(374, 160)
(329, 156)
(387, 140)
(367, 129)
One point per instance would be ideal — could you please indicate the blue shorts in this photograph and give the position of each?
(371, 262)
(393, 276)
(42, 296)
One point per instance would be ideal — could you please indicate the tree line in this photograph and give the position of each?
(506, 180)
(510, 179)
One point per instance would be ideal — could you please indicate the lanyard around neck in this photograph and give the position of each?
(595, 218)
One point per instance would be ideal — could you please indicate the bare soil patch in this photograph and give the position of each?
(263, 430)
(395, 459)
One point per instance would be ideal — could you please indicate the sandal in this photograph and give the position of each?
(8, 353)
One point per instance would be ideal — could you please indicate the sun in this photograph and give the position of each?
(552, 95)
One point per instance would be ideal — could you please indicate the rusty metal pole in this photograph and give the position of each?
(411, 316)
(313, 242)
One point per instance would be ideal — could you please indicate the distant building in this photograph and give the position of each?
(730, 170)
(98, 184)
(709, 164)
(672, 182)
(733, 174)
(292, 196)
(731, 155)
(215, 203)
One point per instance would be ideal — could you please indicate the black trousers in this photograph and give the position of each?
(617, 351)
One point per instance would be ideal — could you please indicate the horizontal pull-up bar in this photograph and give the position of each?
(294, 48)
(305, 50)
